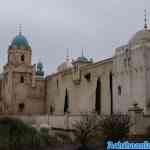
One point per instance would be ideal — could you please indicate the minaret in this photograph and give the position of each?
(145, 19)
(67, 54)
(20, 29)
(82, 53)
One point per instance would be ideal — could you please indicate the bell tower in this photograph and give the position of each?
(19, 51)
(19, 75)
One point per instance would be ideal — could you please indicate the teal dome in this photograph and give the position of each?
(40, 71)
(82, 58)
(20, 41)
(40, 65)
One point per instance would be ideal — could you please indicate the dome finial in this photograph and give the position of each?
(67, 54)
(20, 29)
(145, 19)
(82, 53)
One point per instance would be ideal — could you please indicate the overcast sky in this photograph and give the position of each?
(52, 26)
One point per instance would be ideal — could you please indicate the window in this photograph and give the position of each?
(66, 103)
(21, 79)
(51, 109)
(76, 68)
(88, 77)
(119, 90)
(98, 97)
(111, 92)
(57, 83)
(22, 58)
(21, 107)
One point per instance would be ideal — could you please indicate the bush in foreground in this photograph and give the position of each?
(16, 135)
(86, 130)
(115, 126)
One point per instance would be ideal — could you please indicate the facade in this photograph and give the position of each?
(80, 86)
(22, 88)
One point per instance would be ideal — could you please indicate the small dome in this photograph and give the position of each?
(20, 41)
(39, 70)
(64, 66)
(82, 58)
(140, 36)
(40, 65)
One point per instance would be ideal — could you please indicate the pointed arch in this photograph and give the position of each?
(98, 97)
(111, 92)
(66, 103)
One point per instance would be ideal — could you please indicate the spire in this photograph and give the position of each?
(145, 19)
(67, 54)
(20, 29)
(82, 53)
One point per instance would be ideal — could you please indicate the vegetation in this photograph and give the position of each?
(15, 134)
(85, 130)
(115, 126)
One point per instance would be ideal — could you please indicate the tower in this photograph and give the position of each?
(19, 76)
(132, 74)
(19, 51)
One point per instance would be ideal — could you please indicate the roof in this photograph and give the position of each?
(20, 41)
(140, 36)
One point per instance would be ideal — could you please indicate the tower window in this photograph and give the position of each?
(22, 58)
(21, 107)
(119, 90)
(88, 77)
(98, 97)
(57, 83)
(21, 79)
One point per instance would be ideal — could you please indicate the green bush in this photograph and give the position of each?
(86, 130)
(15, 134)
(115, 126)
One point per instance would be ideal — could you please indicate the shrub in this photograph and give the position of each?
(115, 126)
(15, 134)
(85, 130)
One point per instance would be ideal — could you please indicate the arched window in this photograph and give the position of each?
(21, 107)
(22, 58)
(22, 79)
(66, 103)
(98, 97)
(119, 90)
(111, 92)
(57, 83)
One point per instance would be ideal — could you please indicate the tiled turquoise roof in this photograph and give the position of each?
(40, 71)
(20, 41)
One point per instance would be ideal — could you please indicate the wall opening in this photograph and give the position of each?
(88, 77)
(111, 92)
(22, 79)
(66, 103)
(22, 58)
(57, 82)
(21, 107)
(98, 97)
(119, 90)
(51, 109)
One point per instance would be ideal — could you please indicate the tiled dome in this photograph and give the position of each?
(20, 41)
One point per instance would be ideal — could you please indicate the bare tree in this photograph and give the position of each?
(86, 129)
(115, 126)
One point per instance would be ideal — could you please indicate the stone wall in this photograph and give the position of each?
(81, 94)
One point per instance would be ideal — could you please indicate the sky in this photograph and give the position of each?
(53, 26)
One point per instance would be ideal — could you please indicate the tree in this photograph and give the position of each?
(115, 126)
(16, 135)
(85, 130)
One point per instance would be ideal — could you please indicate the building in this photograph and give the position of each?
(78, 86)
(22, 84)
